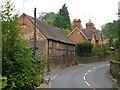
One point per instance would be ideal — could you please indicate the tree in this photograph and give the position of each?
(119, 36)
(110, 30)
(62, 19)
(18, 64)
(41, 16)
(47, 17)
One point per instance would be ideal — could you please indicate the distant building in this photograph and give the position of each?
(50, 40)
(89, 33)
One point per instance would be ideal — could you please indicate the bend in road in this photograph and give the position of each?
(84, 76)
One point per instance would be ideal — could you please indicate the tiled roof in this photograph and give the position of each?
(51, 32)
(89, 33)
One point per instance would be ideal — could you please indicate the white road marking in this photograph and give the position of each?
(54, 76)
(87, 83)
(84, 77)
(90, 71)
(85, 74)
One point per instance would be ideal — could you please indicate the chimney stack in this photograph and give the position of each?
(89, 25)
(77, 23)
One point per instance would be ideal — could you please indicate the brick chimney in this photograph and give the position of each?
(89, 25)
(77, 23)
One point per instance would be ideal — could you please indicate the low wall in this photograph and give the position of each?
(114, 67)
(92, 59)
(60, 64)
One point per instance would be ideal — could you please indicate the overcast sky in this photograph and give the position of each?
(99, 11)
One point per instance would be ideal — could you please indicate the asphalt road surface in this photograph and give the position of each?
(93, 75)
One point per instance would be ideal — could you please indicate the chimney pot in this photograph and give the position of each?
(74, 20)
(89, 25)
(77, 23)
(79, 20)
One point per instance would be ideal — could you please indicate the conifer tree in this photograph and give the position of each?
(62, 19)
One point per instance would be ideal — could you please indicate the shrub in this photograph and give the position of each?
(84, 49)
(116, 58)
(22, 69)
(99, 51)
(3, 82)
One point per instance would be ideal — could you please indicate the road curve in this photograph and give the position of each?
(83, 76)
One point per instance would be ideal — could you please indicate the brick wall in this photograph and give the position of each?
(92, 59)
(27, 32)
(27, 29)
(76, 36)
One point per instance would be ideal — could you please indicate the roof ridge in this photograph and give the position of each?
(50, 31)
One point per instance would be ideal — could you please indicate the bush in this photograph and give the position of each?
(3, 82)
(100, 51)
(84, 49)
(116, 58)
(22, 69)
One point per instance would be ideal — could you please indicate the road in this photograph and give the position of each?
(93, 75)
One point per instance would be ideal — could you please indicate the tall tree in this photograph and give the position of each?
(110, 30)
(47, 17)
(18, 64)
(62, 19)
(41, 16)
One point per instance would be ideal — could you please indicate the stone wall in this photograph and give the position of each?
(92, 59)
(114, 67)
(78, 60)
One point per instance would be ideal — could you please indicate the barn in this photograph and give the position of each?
(50, 40)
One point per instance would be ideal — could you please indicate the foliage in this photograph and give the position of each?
(110, 30)
(41, 16)
(23, 71)
(3, 82)
(116, 58)
(118, 44)
(66, 31)
(62, 19)
(118, 75)
(43, 63)
(84, 49)
(115, 35)
(100, 51)
(47, 17)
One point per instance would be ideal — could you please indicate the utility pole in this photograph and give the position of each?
(34, 48)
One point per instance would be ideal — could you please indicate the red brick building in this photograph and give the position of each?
(79, 34)
(50, 40)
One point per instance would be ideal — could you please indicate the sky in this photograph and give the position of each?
(99, 11)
